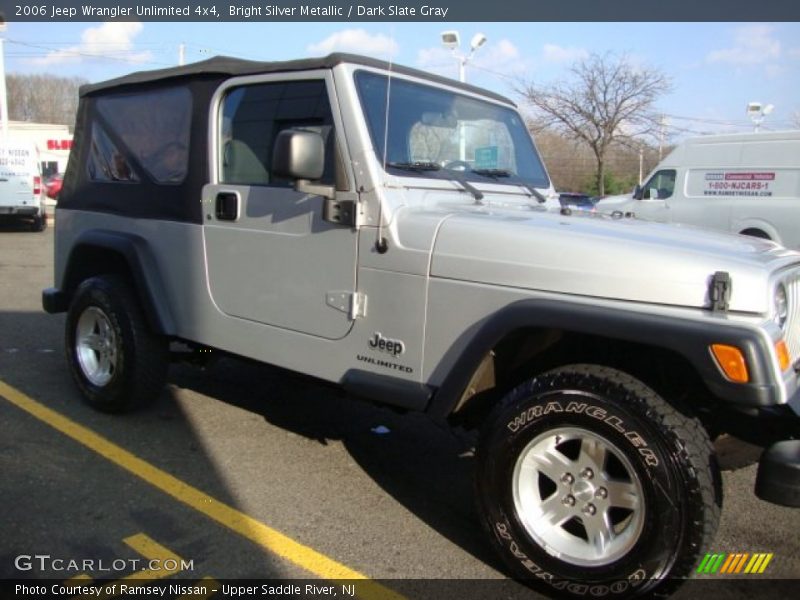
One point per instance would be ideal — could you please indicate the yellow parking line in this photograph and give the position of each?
(152, 551)
(257, 532)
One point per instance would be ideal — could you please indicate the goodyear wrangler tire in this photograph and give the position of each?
(591, 485)
(117, 362)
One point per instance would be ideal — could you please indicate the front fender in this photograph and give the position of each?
(690, 338)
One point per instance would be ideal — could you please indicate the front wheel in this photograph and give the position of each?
(590, 483)
(117, 362)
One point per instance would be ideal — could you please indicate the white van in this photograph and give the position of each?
(21, 189)
(744, 183)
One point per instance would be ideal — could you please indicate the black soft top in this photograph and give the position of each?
(228, 66)
(94, 183)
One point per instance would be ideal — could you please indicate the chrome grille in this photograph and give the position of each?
(793, 319)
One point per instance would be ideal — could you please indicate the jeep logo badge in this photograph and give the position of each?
(390, 346)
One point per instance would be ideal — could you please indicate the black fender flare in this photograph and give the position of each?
(689, 338)
(147, 280)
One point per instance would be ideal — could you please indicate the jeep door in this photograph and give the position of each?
(271, 257)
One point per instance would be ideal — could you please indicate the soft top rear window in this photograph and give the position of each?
(148, 131)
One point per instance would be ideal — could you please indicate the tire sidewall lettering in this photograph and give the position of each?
(535, 414)
(625, 584)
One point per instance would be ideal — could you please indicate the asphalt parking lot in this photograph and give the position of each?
(242, 471)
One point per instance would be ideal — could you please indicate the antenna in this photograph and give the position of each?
(386, 115)
(381, 245)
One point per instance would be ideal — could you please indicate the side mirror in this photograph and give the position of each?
(637, 192)
(298, 154)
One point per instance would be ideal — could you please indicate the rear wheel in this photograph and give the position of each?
(590, 483)
(117, 362)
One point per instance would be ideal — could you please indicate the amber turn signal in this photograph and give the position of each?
(732, 362)
(784, 360)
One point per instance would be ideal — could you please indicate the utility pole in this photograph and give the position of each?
(641, 164)
(181, 54)
(662, 122)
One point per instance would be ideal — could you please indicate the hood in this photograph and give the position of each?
(609, 204)
(599, 256)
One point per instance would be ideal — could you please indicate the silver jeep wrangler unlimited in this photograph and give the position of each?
(391, 231)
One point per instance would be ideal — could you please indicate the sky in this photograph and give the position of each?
(716, 68)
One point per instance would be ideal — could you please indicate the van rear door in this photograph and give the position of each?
(20, 182)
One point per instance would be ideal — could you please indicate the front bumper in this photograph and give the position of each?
(778, 479)
(54, 301)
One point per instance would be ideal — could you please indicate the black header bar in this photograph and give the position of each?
(399, 11)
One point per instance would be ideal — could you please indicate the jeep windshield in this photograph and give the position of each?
(440, 133)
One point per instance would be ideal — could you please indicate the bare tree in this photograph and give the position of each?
(43, 98)
(605, 101)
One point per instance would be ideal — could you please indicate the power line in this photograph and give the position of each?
(75, 52)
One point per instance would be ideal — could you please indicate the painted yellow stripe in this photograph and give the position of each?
(257, 532)
(209, 583)
(764, 564)
(153, 551)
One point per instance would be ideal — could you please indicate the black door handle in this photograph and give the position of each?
(227, 206)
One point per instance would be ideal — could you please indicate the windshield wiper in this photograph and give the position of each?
(468, 187)
(432, 166)
(415, 166)
(534, 192)
(497, 173)
(493, 173)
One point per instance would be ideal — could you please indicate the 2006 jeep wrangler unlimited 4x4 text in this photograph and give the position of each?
(389, 230)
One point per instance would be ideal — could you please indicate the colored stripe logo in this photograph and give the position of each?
(743, 562)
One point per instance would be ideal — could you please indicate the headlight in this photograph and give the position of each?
(781, 306)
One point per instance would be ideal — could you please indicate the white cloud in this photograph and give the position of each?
(437, 59)
(356, 40)
(558, 54)
(112, 40)
(503, 54)
(753, 44)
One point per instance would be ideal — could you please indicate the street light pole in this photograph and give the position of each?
(452, 40)
(757, 111)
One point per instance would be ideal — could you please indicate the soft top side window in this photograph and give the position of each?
(106, 162)
(252, 116)
(149, 129)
